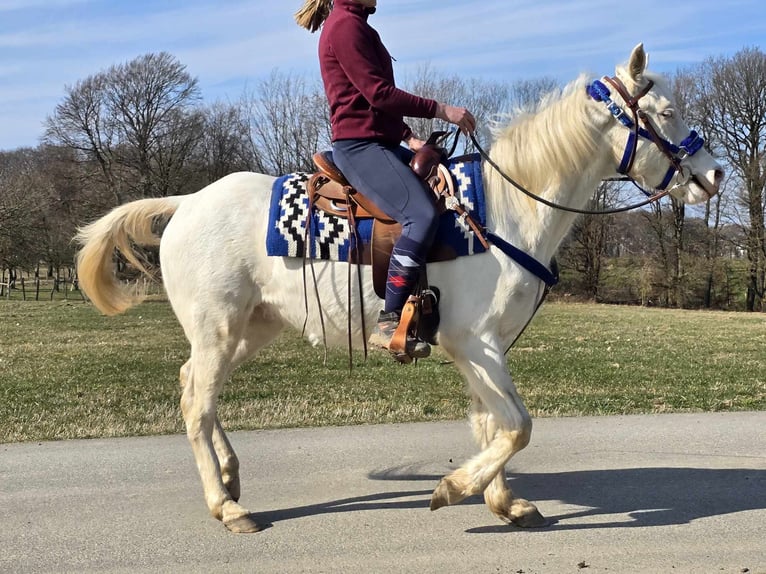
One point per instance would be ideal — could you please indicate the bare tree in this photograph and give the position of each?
(526, 94)
(137, 121)
(485, 99)
(289, 122)
(83, 123)
(692, 104)
(153, 99)
(734, 98)
(587, 246)
(20, 211)
(662, 226)
(224, 146)
(34, 223)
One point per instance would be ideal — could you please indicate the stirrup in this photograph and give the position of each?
(395, 333)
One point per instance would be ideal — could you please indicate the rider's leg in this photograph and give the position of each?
(381, 173)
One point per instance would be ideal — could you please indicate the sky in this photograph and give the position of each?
(231, 45)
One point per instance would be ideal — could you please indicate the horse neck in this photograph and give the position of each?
(558, 154)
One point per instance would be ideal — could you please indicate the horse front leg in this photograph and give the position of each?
(498, 494)
(502, 427)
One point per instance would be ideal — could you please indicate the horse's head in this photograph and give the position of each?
(651, 141)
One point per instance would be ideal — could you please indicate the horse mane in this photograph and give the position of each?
(542, 147)
(547, 146)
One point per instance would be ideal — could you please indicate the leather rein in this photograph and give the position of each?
(675, 154)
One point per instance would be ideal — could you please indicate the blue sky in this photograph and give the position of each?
(46, 45)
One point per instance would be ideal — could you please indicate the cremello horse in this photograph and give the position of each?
(232, 299)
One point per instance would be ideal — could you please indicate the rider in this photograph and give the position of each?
(367, 113)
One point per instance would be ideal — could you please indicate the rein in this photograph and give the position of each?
(485, 156)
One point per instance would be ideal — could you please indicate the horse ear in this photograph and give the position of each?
(638, 62)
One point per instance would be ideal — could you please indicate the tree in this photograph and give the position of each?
(487, 100)
(136, 121)
(20, 210)
(224, 145)
(35, 222)
(733, 96)
(288, 123)
(587, 246)
(692, 105)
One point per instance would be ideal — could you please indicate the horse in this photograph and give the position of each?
(232, 299)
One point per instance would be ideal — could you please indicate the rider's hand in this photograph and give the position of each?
(415, 144)
(461, 117)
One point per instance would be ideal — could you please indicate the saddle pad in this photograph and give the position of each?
(331, 236)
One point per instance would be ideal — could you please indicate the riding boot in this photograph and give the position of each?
(384, 331)
(407, 260)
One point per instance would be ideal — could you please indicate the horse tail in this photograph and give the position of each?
(139, 223)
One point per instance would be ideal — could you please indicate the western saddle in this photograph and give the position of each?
(329, 191)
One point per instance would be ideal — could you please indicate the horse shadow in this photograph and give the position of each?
(631, 497)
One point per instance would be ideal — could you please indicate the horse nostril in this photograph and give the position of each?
(718, 177)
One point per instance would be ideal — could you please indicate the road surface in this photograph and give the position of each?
(655, 493)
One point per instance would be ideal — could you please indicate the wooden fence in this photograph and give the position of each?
(32, 290)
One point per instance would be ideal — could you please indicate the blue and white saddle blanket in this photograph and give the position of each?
(331, 236)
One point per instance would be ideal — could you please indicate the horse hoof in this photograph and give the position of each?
(530, 520)
(440, 496)
(443, 495)
(243, 524)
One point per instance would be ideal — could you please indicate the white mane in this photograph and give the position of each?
(543, 149)
(553, 150)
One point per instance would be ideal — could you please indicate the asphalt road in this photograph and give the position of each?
(661, 493)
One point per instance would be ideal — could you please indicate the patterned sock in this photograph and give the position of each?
(403, 271)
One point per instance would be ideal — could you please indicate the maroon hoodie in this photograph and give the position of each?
(359, 80)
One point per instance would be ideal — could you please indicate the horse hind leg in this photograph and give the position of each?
(209, 366)
(227, 458)
(502, 427)
(261, 329)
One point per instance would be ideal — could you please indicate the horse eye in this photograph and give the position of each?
(667, 113)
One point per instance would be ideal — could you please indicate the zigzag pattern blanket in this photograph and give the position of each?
(331, 236)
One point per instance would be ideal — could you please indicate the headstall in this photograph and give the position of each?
(690, 145)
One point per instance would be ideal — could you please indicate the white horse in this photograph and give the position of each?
(232, 299)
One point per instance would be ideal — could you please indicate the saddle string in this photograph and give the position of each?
(307, 254)
(303, 271)
(357, 240)
(354, 252)
(321, 311)
(352, 225)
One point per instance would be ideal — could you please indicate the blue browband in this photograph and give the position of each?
(688, 147)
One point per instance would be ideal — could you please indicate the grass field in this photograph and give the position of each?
(68, 372)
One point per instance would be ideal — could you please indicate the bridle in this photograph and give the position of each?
(675, 154)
